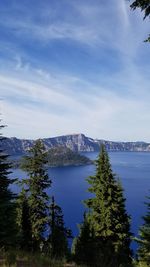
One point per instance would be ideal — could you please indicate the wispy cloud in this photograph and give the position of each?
(75, 67)
(47, 110)
(102, 24)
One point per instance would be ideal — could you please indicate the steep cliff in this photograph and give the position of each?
(76, 142)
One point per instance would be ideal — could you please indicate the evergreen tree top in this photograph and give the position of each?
(36, 158)
(7, 206)
(107, 217)
(144, 237)
(37, 184)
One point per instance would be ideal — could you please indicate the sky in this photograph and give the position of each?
(74, 66)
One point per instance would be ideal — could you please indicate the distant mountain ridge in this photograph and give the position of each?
(76, 142)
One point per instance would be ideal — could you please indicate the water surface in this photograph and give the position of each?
(69, 186)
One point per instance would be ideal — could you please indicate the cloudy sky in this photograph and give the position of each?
(74, 66)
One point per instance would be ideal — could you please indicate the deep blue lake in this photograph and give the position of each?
(69, 186)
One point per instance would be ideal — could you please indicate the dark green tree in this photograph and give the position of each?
(108, 217)
(59, 234)
(24, 221)
(144, 5)
(83, 247)
(7, 204)
(144, 240)
(37, 184)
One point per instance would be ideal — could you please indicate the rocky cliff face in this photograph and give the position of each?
(76, 142)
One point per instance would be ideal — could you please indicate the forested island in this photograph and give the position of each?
(57, 157)
(63, 156)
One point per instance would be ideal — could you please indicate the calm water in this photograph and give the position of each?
(70, 187)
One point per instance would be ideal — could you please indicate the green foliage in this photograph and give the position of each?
(7, 205)
(37, 183)
(107, 218)
(144, 5)
(59, 156)
(63, 156)
(24, 221)
(59, 234)
(34, 213)
(14, 258)
(136, 263)
(83, 247)
(144, 240)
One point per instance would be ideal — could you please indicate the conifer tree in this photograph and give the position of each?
(83, 247)
(24, 221)
(144, 240)
(59, 234)
(7, 205)
(37, 183)
(144, 5)
(108, 217)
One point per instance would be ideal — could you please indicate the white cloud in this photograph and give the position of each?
(123, 10)
(45, 101)
(41, 111)
(98, 25)
(108, 118)
(28, 91)
(20, 64)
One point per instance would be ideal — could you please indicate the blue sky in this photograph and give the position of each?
(74, 66)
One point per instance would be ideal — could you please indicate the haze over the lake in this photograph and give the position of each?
(74, 66)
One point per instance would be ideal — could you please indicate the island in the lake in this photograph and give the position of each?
(63, 156)
(57, 157)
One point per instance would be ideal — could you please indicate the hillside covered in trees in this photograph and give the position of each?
(62, 156)
(57, 157)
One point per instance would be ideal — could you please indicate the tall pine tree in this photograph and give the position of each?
(83, 247)
(59, 234)
(144, 240)
(7, 205)
(24, 221)
(37, 183)
(107, 217)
